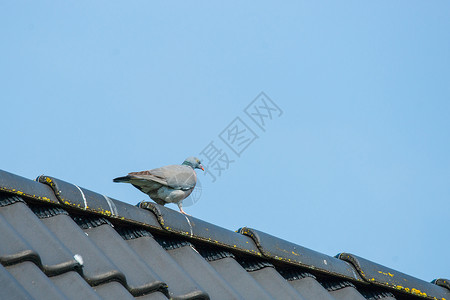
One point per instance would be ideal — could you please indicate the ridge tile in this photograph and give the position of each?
(383, 276)
(281, 250)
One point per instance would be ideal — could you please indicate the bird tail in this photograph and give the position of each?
(122, 179)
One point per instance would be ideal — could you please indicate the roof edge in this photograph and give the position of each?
(282, 250)
(382, 276)
(22, 186)
(442, 282)
(174, 222)
(79, 198)
(50, 190)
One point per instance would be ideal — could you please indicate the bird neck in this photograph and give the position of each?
(186, 163)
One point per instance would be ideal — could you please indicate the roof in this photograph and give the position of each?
(61, 241)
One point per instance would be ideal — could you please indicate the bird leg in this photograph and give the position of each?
(180, 206)
(183, 212)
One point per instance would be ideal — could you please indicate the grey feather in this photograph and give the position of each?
(169, 184)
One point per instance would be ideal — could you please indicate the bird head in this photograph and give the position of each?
(194, 163)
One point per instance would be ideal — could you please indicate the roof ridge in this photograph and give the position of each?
(253, 264)
(46, 211)
(132, 233)
(86, 222)
(169, 243)
(8, 199)
(377, 294)
(334, 285)
(212, 254)
(93, 209)
(294, 274)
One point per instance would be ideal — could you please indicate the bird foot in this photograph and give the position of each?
(184, 213)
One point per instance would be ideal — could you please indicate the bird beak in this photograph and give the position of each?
(201, 167)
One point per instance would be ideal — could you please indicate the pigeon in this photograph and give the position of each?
(169, 184)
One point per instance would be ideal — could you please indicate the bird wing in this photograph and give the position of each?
(147, 176)
(178, 177)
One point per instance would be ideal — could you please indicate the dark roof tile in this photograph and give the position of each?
(10, 287)
(342, 289)
(278, 249)
(86, 222)
(13, 248)
(21, 186)
(68, 194)
(7, 199)
(294, 274)
(305, 283)
(377, 295)
(180, 284)
(275, 284)
(130, 233)
(36, 283)
(205, 275)
(153, 296)
(169, 243)
(442, 282)
(140, 278)
(134, 215)
(113, 256)
(97, 268)
(238, 278)
(347, 293)
(251, 264)
(212, 254)
(73, 196)
(334, 285)
(310, 289)
(55, 257)
(113, 290)
(174, 222)
(73, 286)
(383, 276)
(47, 211)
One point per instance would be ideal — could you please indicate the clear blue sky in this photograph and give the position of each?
(358, 161)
